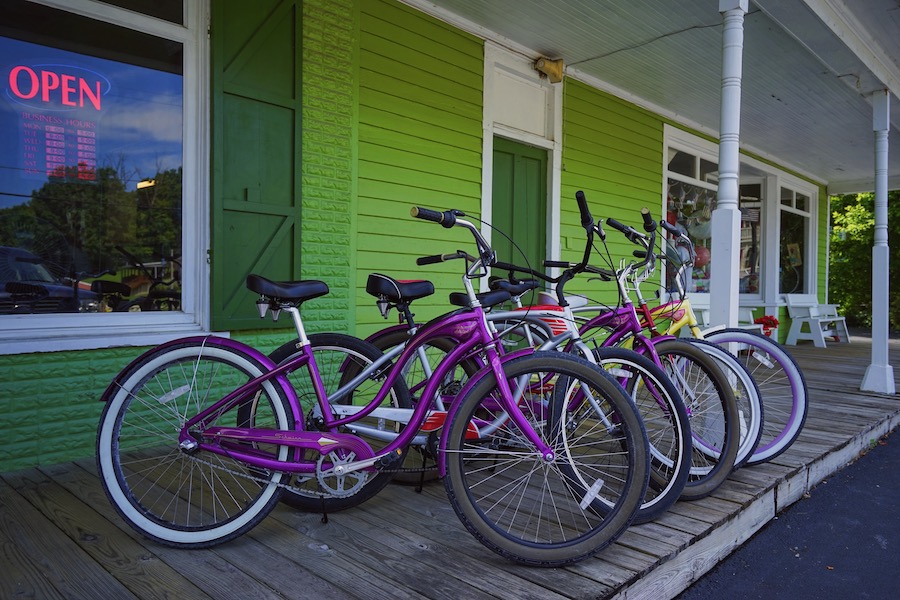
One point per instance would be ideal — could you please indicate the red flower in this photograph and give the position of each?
(766, 321)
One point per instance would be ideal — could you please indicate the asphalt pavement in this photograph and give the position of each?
(840, 541)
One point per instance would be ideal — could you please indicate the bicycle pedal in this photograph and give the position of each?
(389, 460)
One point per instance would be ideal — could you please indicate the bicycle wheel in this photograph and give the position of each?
(666, 421)
(712, 411)
(781, 385)
(751, 413)
(542, 512)
(168, 492)
(340, 358)
(419, 465)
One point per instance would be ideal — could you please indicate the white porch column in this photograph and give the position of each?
(726, 219)
(880, 375)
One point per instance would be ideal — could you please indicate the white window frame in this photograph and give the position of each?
(811, 251)
(41, 333)
(773, 180)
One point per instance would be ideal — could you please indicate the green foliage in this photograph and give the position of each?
(850, 269)
(75, 225)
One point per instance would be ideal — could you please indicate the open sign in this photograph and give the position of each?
(57, 87)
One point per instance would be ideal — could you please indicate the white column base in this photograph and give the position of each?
(879, 378)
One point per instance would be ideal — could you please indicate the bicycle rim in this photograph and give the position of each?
(180, 498)
(530, 510)
(665, 420)
(781, 384)
(712, 411)
(751, 415)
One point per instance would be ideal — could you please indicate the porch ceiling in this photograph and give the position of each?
(806, 100)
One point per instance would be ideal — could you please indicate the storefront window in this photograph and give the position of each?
(91, 165)
(689, 208)
(769, 199)
(794, 245)
(751, 207)
(691, 197)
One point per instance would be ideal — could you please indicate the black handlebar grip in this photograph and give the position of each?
(649, 223)
(557, 263)
(639, 254)
(430, 260)
(616, 225)
(670, 228)
(446, 218)
(587, 220)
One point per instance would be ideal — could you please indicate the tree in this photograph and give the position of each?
(850, 267)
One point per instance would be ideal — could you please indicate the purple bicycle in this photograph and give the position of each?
(200, 436)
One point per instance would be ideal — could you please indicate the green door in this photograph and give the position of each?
(520, 203)
(256, 153)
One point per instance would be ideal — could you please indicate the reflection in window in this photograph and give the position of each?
(793, 251)
(751, 238)
(91, 171)
(689, 208)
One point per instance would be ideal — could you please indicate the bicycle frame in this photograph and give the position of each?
(469, 326)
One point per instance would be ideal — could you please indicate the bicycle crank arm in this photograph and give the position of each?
(383, 461)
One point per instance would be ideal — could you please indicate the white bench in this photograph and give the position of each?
(813, 321)
(700, 305)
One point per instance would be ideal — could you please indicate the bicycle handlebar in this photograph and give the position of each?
(438, 258)
(649, 223)
(446, 219)
(587, 220)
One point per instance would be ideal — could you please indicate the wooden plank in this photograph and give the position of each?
(677, 574)
(436, 516)
(57, 528)
(22, 561)
(42, 550)
(214, 570)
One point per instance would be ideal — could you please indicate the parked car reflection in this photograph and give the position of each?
(27, 285)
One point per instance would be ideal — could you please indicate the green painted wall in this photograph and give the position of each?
(612, 150)
(420, 136)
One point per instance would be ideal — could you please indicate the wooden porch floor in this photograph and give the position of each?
(61, 538)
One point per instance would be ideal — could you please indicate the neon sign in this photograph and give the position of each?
(57, 87)
(63, 105)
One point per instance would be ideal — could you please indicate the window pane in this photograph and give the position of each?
(751, 238)
(802, 202)
(170, 10)
(709, 171)
(89, 111)
(793, 253)
(787, 197)
(682, 163)
(689, 207)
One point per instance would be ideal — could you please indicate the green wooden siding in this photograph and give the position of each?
(612, 150)
(420, 136)
(49, 406)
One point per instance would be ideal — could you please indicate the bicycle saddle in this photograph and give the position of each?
(394, 290)
(291, 291)
(486, 299)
